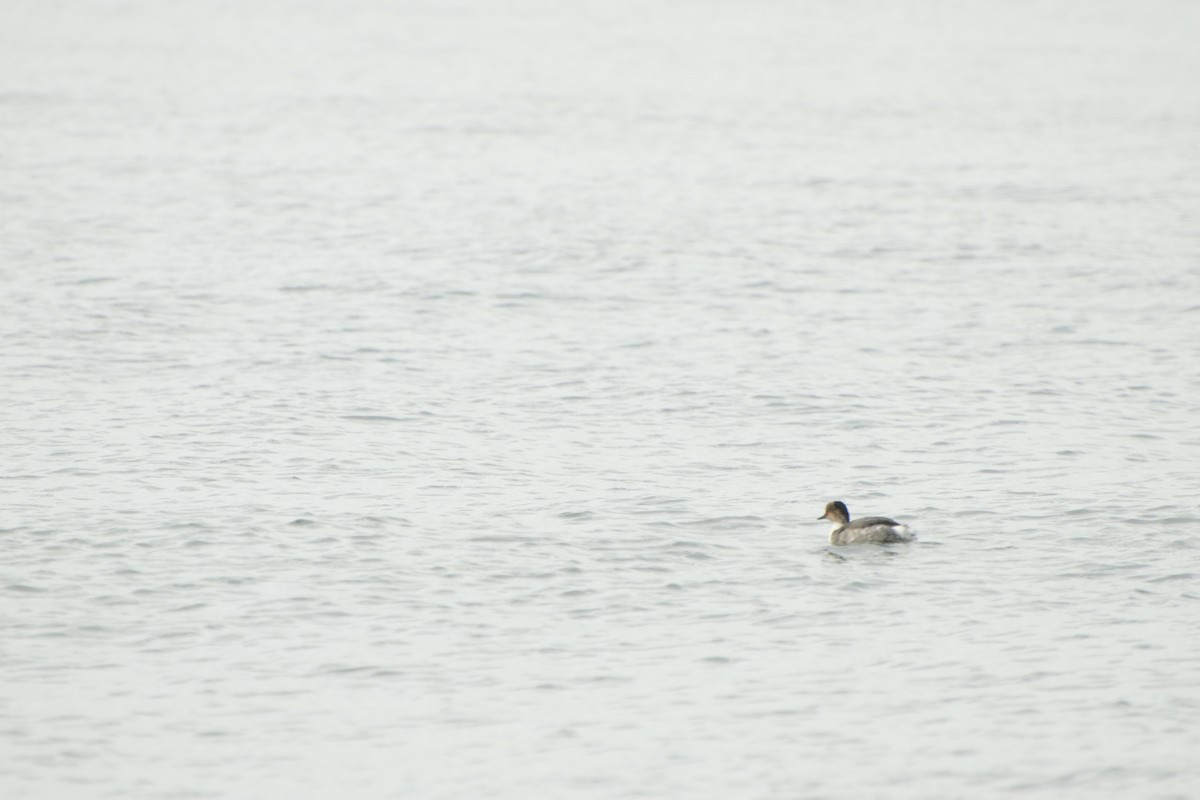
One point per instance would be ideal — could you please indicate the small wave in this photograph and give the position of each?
(499, 538)
(717, 660)
(732, 522)
(189, 607)
(89, 281)
(309, 287)
(343, 669)
(1179, 576)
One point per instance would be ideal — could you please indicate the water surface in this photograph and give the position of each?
(436, 400)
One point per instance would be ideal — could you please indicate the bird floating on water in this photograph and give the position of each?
(867, 530)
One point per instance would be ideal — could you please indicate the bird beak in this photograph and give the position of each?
(822, 517)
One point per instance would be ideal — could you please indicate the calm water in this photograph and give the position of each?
(435, 400)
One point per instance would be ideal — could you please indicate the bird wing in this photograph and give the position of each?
(870, 522)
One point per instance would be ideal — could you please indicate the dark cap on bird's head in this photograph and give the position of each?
(836, 512)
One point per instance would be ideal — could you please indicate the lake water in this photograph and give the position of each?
(436, 399)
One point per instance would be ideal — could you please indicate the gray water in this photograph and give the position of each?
(436, 400)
